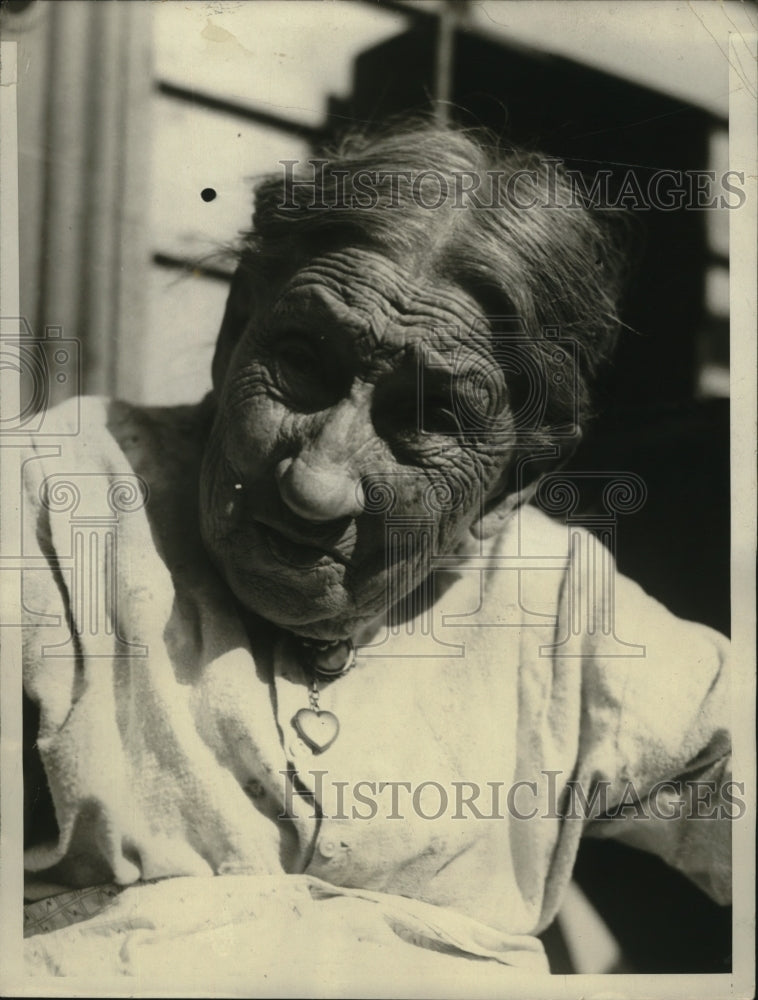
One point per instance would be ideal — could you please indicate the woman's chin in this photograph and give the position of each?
(323, 599)
(318, 612)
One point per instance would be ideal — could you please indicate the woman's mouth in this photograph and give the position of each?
(295, 550)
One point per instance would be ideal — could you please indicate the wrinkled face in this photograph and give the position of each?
(362, 425)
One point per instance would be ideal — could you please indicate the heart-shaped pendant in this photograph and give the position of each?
(318, 729)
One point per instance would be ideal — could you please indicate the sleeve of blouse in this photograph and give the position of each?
(657, 731)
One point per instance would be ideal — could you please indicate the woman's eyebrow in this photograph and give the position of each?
(312, 305)
(461, 359)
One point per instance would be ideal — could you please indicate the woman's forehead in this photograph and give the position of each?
(367, 292)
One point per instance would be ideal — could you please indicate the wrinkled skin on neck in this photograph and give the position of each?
(360, 399)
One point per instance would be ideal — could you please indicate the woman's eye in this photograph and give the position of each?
(437, 415)
(410, 420)
(305, 369)
(296, 352)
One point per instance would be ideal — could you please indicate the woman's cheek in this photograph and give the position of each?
(262, 433)
(428, 500)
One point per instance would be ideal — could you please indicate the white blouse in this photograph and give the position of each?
(471, 742)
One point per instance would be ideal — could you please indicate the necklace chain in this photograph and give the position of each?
(319, 666)
(313, 694)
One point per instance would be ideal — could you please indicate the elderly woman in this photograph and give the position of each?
(311, 635)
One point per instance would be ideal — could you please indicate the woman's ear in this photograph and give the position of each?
(518, 485)
(236, 317)
(516, 488)
(496, 515)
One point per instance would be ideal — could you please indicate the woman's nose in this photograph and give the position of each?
(321, 482)
(319, 493)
